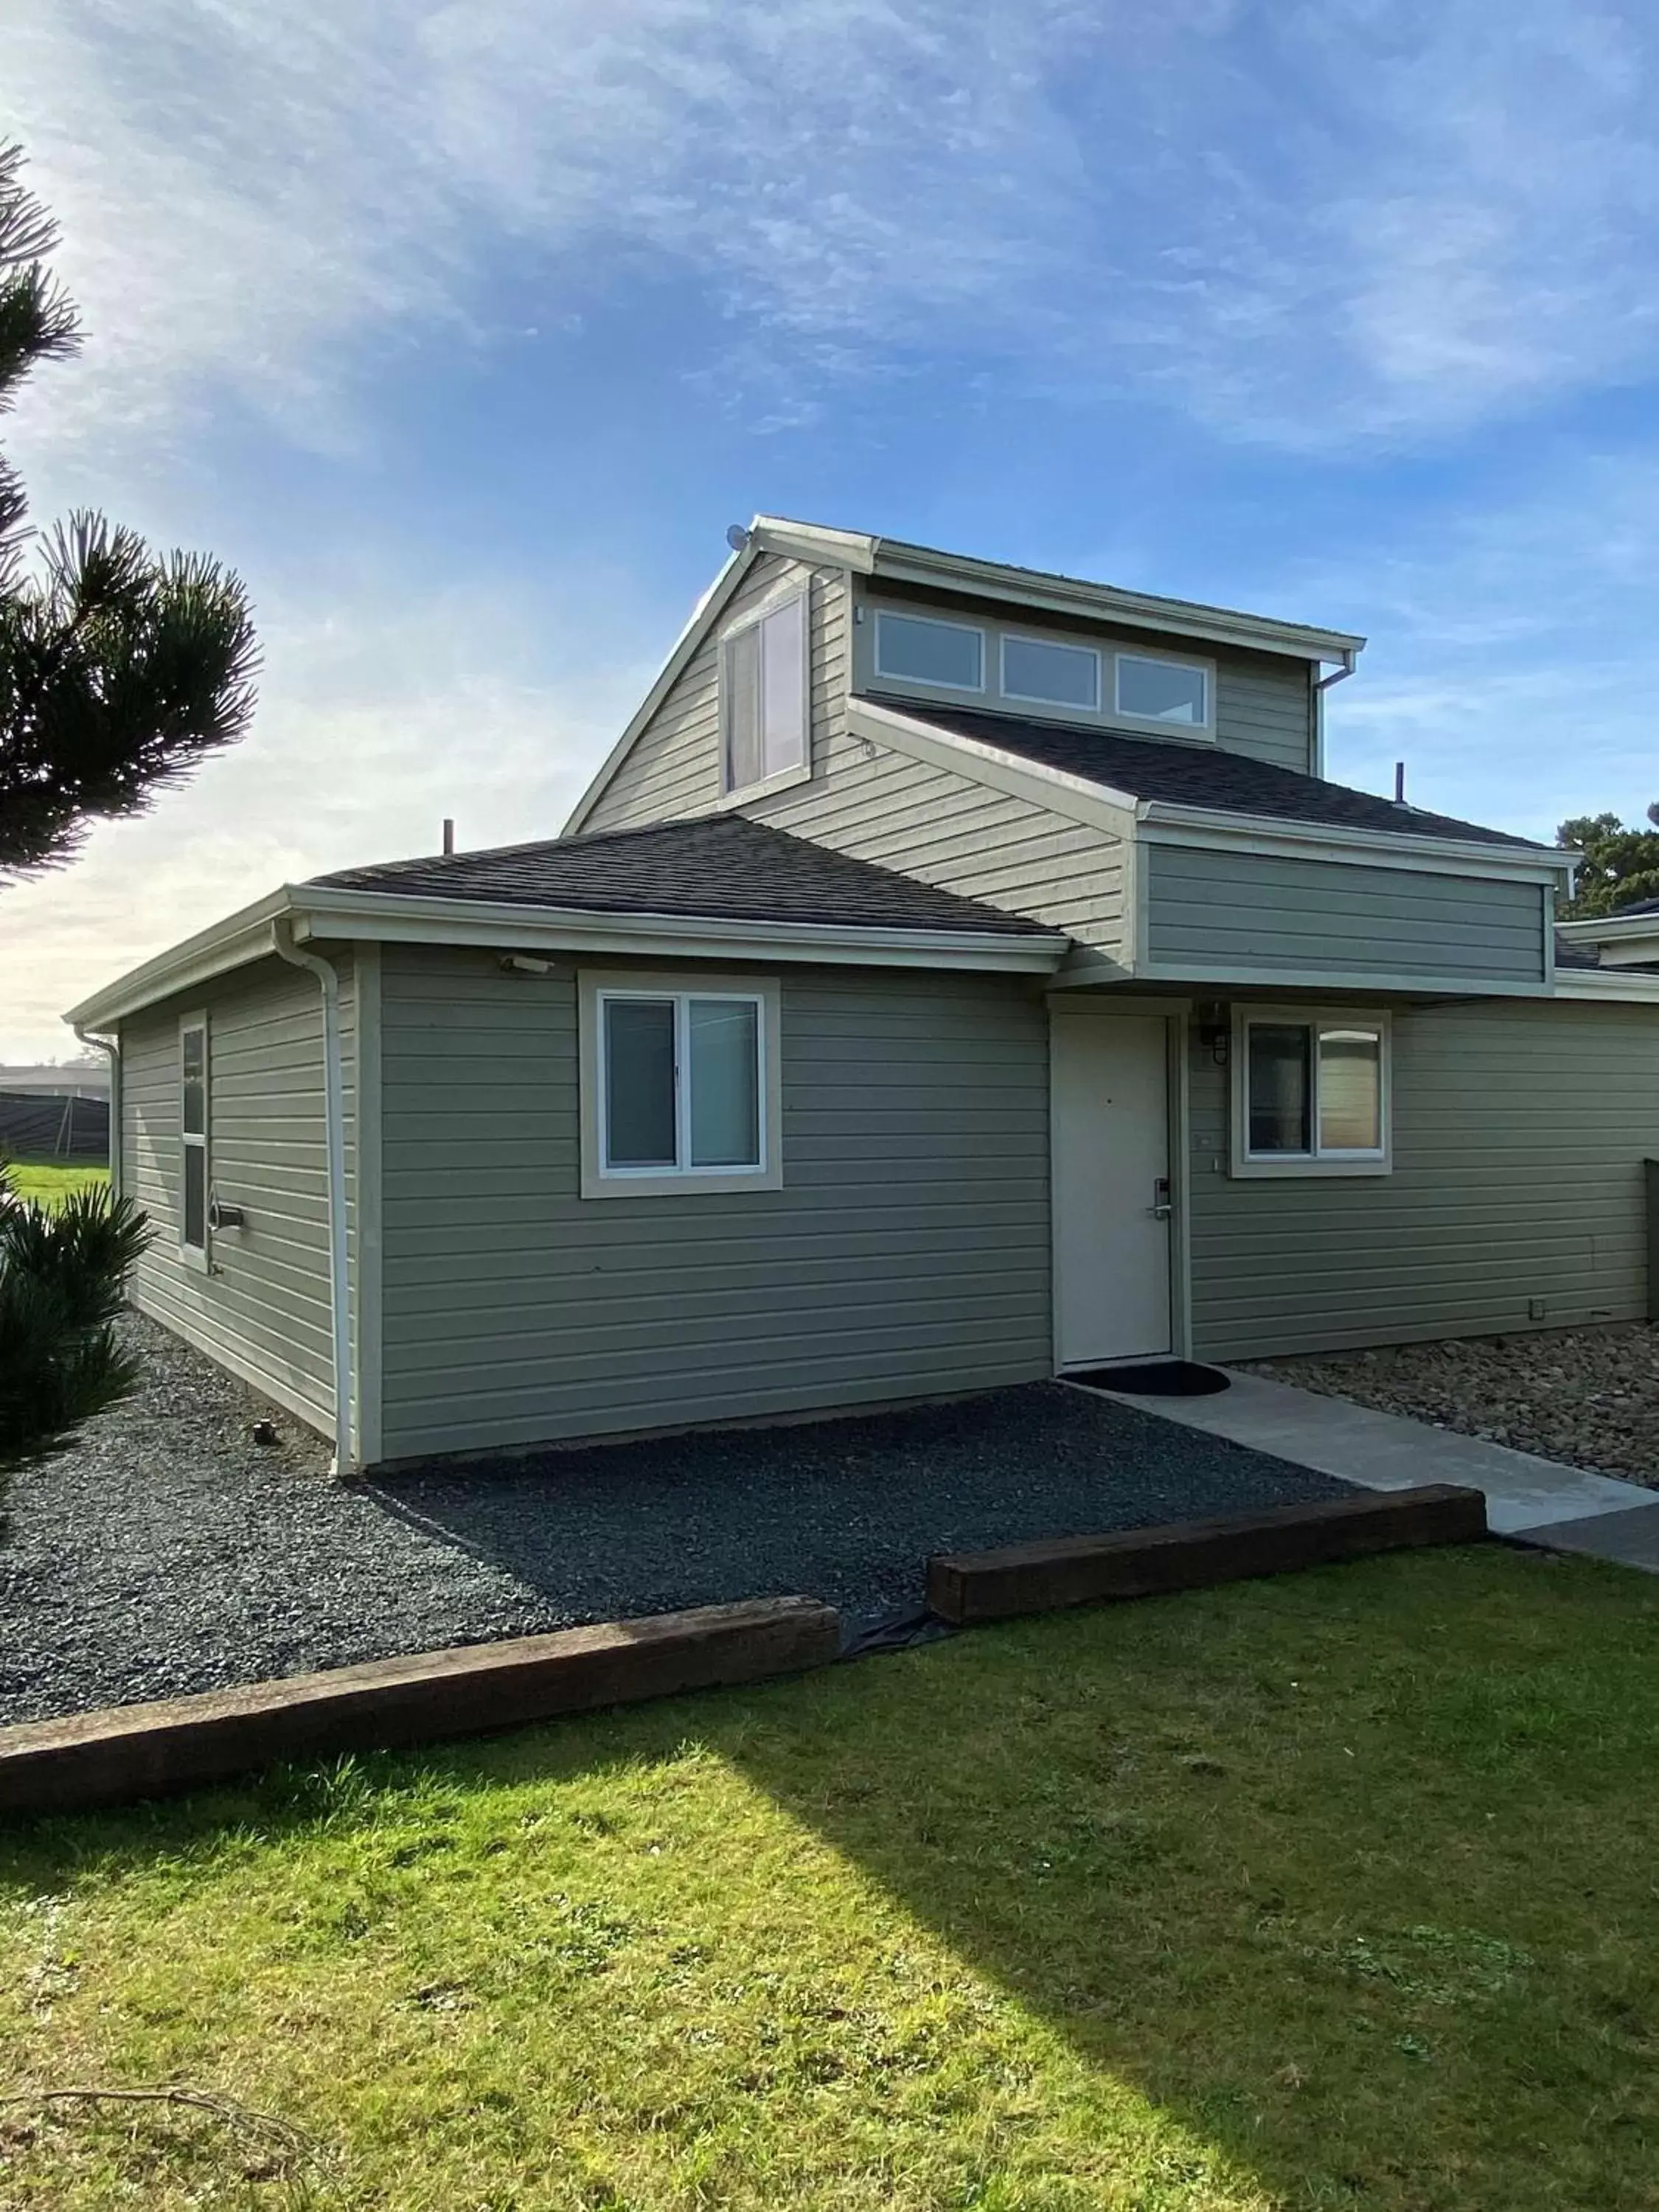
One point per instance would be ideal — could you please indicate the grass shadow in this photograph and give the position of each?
(1345, 1877)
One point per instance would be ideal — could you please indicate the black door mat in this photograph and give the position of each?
(1157, 1379)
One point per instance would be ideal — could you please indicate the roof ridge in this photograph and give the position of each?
(709, 865)
(527, 844)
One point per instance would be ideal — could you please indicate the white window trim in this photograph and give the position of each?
(1205, 667)
(994, 636)
(799, 772)
(198, 1256)
(767, 787)
(1247, 1165)
(594, 986)
(939, 622)
(1006, 690)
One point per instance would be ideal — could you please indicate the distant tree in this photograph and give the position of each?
(1620, 865)
(119, 667)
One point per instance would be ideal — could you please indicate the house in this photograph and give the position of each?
(956, 974)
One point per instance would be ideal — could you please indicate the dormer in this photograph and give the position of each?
(941, 629)
(1144, 775)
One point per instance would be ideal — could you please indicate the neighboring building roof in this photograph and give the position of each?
(1193, 776)
(59, 1079)
(717, 867)
(1568, 955)
(1624, 913)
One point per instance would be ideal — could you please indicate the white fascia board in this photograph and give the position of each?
(1599, 926)
(707, 613)
(507, 928)
(1628, 933)
(1199, 977)
(1073, 796)
(1162, 821)
(1621, 985)
(241, 937)
(1033, 587)
(812, 543)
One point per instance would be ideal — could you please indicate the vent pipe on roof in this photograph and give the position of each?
(449, 836)
(1399, 783)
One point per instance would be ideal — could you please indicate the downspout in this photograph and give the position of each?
(1326, 683)
(112, 1047)
(334, 1130)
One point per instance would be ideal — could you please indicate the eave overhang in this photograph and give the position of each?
(347, 917)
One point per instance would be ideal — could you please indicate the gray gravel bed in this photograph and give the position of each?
(1587, 1396)
(167, 1553)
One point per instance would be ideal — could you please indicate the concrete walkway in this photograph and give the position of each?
(1538, 1500)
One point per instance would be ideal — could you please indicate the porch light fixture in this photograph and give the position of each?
(1215, 1030)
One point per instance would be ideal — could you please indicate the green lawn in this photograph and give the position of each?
(50, 1186)
(1336, 1891)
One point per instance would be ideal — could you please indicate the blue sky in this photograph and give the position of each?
(464, 331)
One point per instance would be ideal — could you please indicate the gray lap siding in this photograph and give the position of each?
(1251, 913)
(263, 1308)
(1519, 1134)
(907, 1254)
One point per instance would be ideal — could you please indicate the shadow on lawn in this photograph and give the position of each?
(1349, 1873)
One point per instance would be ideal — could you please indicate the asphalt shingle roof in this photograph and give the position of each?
(1193, 776)
(717, 867)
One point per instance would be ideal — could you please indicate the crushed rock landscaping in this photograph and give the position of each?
(1588, 1397)
(167, 1552)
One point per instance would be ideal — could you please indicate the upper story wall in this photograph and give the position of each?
(673, 770)
(1239, 915)
(868, 802)
(958, 835)
(1262, 704)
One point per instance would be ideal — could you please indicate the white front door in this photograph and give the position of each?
(1110, 1123)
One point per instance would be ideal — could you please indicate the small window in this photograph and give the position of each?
(685, 1093)
(1174, 692)
(1057, 675)
(193, 1141)
(764, 696)
(1312, 1094)
(919, 651)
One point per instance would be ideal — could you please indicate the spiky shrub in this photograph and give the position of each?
(62, 1276)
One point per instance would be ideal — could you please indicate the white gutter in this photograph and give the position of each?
(1324, 683)
(227, 944)
(1170, 822)
(1634, 986)
(506, 927)
(334, 1131)
(1618, 940)
(112, 1047)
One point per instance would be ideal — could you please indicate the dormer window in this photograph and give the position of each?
(949, 656)
(1175, 694)
(1023, 669)
(764, 708)
(1051, 675)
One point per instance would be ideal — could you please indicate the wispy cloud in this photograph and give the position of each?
(1307, 223)
(379, 719)
(1515, 665)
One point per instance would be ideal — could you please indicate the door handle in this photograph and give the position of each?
(1163, 1205)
